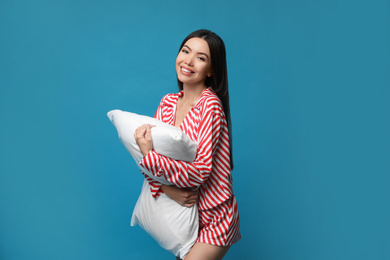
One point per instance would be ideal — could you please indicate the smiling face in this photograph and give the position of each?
(193, 63)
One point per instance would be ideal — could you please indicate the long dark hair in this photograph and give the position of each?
(219, 79)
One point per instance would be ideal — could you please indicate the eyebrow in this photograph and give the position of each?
(202, 53)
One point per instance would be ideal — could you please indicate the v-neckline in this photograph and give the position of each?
(175, 113)
(180, 94)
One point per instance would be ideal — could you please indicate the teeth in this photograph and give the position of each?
(185, 70)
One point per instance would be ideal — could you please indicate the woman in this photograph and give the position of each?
(201, 110)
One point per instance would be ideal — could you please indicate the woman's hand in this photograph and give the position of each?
(184, 197)
(143, 137)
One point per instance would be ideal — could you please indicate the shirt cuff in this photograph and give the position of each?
(155, 186)
(151, 162)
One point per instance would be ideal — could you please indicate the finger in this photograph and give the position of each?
(136, 132)
(138, 128)
(191, 201)
(140, 132)
(148, 134)
(141, 127)
(192, 198)
(189, 205)
(191, 194)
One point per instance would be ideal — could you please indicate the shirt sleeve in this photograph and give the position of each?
(184, 174)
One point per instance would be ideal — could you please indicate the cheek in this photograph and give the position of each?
(179, 58)
(177, 62)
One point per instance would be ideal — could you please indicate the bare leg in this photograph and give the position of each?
(203, 251)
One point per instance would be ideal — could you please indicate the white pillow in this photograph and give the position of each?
(168, 140)
(173, 226)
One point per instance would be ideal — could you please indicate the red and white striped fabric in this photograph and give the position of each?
(205, 124)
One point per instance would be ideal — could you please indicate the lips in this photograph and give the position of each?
(186, 71)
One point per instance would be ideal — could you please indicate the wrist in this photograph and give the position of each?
(145, 153)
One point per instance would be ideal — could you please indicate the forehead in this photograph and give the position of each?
(198, 45)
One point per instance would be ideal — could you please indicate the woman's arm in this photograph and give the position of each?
(184, 174)
(185, 197)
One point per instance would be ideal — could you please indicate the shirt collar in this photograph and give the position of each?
(173, 101)
(207, 92)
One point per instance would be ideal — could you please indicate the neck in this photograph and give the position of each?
(191, 94)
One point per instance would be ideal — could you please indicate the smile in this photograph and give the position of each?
(186, 71)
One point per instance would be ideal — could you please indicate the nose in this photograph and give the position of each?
(189, 61)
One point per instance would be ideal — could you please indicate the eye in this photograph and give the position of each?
(184, 50)
(202, 59)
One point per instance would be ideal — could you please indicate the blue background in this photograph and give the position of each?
(310, 101)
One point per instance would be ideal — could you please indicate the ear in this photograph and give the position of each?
(210, 74)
